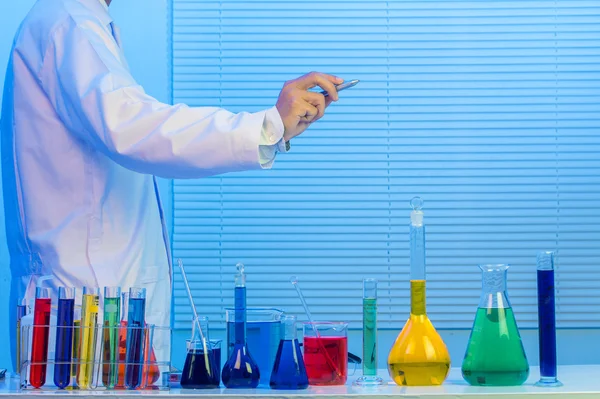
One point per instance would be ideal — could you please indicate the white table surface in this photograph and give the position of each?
(579, 382)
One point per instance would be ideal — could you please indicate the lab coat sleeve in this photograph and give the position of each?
(97, 98)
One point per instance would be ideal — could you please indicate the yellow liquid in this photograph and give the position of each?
(87, 346)
(419, 356)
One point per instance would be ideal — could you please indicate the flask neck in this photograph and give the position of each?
(417, 297)
(288, 325)
(493, 289)
(240, 315)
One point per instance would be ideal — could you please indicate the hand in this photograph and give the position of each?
(299, 107)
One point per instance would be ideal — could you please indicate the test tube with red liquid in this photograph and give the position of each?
(41, 330)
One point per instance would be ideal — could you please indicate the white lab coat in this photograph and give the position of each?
(81, 144)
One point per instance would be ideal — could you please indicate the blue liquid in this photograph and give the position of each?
(289, 371)
(547, 323)
(135, 342)
(64, 343)
(240, 370)
(262, 339)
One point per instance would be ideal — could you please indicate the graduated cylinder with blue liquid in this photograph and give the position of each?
(547, 320)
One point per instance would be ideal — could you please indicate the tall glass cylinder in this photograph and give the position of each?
(88, 337)
(369, 376)
(547, 320)
(64, 337)
(135, 337)
(110, 353)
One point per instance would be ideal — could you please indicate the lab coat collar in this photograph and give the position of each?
(100, 9)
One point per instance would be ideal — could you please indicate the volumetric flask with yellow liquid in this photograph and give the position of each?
(419, 356)
(495, 355)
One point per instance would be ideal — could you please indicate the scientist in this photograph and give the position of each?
(82, 143)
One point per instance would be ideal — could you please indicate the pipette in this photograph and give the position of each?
(294, 281)
(196, 323)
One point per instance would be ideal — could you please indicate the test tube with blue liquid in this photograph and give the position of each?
(135, 338)
(64, 337)
(547, 320)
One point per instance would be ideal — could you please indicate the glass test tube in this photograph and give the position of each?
(41, 329)
(135, 337)
(369, 376)
(546, 320)
(110, 354)
(76, 342)
(87, 349)
(123, 338)
(64, 337)
(21, 312)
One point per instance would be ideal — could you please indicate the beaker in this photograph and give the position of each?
(263, 333)
(200, 370)
(495, 355)
(289, 371)
(326, 352)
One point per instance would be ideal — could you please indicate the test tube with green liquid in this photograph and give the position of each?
(369, 377)
(112, 321)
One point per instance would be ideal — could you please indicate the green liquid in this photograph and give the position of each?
(495, 354)
(110, 369)
(369, 336)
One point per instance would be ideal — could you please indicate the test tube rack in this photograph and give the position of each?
(155, 372)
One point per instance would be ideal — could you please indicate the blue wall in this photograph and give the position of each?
(144, 27)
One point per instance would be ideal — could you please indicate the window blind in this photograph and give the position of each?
(488, 110)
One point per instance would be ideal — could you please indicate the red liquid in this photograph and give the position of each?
(39, 345)
(319, 367)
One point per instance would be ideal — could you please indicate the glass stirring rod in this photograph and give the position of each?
(294, 281)
(196, 323)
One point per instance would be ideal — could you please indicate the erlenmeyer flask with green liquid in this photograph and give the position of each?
(419, 356)
(495, 355)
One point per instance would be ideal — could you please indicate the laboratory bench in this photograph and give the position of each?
(579, 382)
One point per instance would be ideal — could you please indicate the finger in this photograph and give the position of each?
(310, 113)
(317, 100)
(325, 82)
